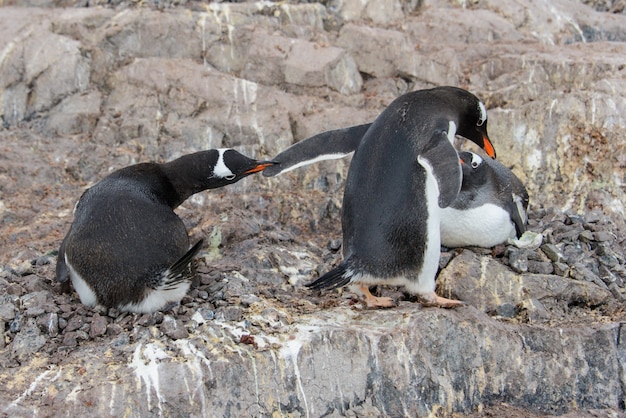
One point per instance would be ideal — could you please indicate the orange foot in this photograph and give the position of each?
(431, 299)
(375, 302)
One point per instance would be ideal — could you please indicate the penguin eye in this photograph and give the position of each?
(230, 177)
(476, 160)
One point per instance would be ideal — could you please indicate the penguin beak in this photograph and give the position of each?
(262, 165)
(488, 147)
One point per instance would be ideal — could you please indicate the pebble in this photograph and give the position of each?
(552, 252)
(74, 323)
(7, 308)
(518, 261)
(174, 328)
(98, 326)
(49, 323)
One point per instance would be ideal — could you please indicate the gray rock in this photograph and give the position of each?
(98, 326)
(7, 308)
(487, 284)
(314, 65)
(173, 328)
(28, 341)
(49, 323)
(552, 252)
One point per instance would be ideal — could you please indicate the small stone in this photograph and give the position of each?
(574, 219)
(42, 261)
(7, 308)
(74, 323)
(561, 269)
(23, 268)
(594, 216)
(247, 300)
(608, 260)
(573, 254)
(114, 329)
(34, 311)
(540, 267)
(113, 313)
(158, 317)
(586, 236)
(28, 341)
(82, 335)
(203, 295)
(98, 326)
(507, 310)
(552, 252)
(69, 339)
(16, 325)
(49, 323)
(62, 323)
(35, 299)
(15, 289)
(145, 320)
(230, 313)
(518, 261)
(534, 310)
(607, 275)
(603, 236)
(175, 329)
(120, 343)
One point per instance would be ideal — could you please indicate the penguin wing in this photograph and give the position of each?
(61, 268)
(518, 214)
(329, 145)
(444, 160)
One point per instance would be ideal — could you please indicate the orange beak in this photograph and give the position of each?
(260, 167)
(488, 147)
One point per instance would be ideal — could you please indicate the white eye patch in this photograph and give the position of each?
(220, 169)
(483, 114)
(476, 160)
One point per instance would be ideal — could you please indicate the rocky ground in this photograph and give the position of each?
(543, 330)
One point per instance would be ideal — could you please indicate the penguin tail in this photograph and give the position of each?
(337, 277)
(179, 271)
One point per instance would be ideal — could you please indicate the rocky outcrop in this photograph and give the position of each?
(85, 90)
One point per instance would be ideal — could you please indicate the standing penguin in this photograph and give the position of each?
(396, 187)
(126, 247)
(489, 209)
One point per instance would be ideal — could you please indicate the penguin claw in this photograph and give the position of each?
(433, 300)
(374, 302)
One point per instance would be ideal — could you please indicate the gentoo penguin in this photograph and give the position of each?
(489, 209)
(403, 171)
(126, 247)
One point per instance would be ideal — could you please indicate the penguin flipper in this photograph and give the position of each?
(518, 214)
(62, 274)
(327, 145)
(177, 271)
(444, 160)
(335, 278)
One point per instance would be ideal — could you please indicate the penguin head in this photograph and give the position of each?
(230, 166)
(472, 117)
(475, 170)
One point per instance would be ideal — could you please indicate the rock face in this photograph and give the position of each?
(85, 90)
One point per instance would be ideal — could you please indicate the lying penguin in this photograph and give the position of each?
(405, 168)
(489, 210)
(126, 247)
